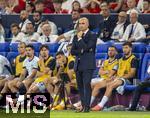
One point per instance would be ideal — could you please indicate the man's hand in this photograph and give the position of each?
(79, 35)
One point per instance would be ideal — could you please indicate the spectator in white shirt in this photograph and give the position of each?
(2, 33)
(30, 35)
(134, 31)
(53, 27)
(46, 35)
(132, 5)
(17, 36)
(24, 18)
(5, 68)
(120, 26)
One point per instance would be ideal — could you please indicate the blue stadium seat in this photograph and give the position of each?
(148, 48)
(3, 53)
(36, 54)
(53, 47)
(36, 46)
(11, 56)
(102, 48)
(139, 47)
(4, 47)
(14, 47)
(119, 47)
(145, 63)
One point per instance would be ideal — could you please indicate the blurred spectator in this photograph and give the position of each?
(30, 7)
(2, 7)
(39, 6)
(132, 5)
(37, 20)
(14, 6)
(134, 31)
(93, 6)
(52, 24)
(49, 4)
(140, 5)
(30, 35)
(75, 17)
(107, 25)
(2, 32)
(67, 4)
(17, 36)
(119, 6)
(76, 6)
(146, 6)
(46, 35)
(57, 6)
(120, 26)
(24, 20)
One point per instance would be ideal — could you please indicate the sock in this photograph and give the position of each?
(62, 102)
(92, 99)
(56, 99)
(103, 101)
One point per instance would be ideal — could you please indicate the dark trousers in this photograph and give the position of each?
(138, 91)
(84, 86)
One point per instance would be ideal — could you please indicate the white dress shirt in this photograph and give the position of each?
(31, 38)
(44, 39)
(18, 37)
(118, 31)
(23, 29)
(137, 34)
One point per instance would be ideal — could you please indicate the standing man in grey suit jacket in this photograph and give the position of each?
(83, 47)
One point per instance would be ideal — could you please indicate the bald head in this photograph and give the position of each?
(122, 16)
(83, 24)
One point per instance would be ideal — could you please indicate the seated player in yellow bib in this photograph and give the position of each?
(127, 69)
(65, 65)
(18, 63)
(46, 67)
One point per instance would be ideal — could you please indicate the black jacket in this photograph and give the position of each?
(84, 50)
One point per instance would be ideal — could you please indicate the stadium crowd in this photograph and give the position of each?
(29, 73)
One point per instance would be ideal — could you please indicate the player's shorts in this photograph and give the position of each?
(41, 87)
(96, 80)
(120, 89)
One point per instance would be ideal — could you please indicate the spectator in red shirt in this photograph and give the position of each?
(93, 6)
(39, 6)
(14, 6)
(49, 4)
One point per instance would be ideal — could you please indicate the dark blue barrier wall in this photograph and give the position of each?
(64, 20)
